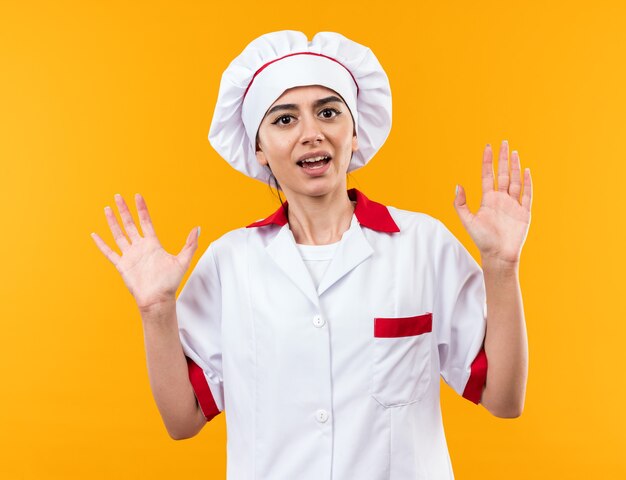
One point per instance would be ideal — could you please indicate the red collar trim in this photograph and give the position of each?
(370, 214)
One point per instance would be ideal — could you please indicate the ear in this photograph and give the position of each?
(260, 156)
(355, 143)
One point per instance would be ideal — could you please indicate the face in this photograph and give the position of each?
(307, 123)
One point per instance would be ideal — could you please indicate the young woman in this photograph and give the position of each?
(322, 330)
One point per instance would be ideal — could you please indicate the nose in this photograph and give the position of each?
(311, 130)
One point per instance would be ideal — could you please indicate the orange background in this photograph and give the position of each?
(98, 98)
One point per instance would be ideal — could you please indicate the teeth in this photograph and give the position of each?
(313, 159)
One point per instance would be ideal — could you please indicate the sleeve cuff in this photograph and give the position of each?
(202, 391)
(477, 379)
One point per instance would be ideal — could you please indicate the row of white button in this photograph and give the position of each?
(321, 415)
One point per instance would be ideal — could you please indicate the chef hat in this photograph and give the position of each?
(277, 61)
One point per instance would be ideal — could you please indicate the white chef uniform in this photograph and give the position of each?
(340, 381)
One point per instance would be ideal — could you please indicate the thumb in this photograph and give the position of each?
(186, 253)
(461, 207)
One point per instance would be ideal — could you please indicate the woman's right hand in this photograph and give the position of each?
(151, 274)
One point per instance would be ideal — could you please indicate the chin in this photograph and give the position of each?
(321, 188)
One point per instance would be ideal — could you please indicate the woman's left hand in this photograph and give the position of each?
(500, 226)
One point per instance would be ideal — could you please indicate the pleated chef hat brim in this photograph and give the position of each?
(277, 61)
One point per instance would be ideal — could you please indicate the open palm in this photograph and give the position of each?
(500, 226)
(151, 274)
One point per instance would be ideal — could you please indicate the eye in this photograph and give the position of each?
(330, 112)
(283, 120)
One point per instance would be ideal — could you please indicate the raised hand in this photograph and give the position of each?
(500, 226)
(151, 274)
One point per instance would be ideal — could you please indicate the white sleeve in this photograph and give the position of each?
(459, 310)
(199, 313)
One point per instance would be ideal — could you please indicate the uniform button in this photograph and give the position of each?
(318, 321)
(321, 415)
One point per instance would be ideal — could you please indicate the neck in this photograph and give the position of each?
(320, 220)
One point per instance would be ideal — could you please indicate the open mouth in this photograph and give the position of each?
(314, 162)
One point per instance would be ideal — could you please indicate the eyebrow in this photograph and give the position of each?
(293, 106)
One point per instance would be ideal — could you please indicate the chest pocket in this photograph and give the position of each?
(402, 359)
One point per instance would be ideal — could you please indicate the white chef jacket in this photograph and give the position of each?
(341, 381)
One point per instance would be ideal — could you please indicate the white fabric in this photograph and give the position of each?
(318, 399)
(235, 141)
(317, 258)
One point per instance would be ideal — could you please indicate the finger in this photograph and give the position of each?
(461, 206)
(104, 248)
(144, 216)
(527, 196)
(515, 188)
(503, 167)
(127, 218)
(190, 247)
(118, 235)
(487, 173)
